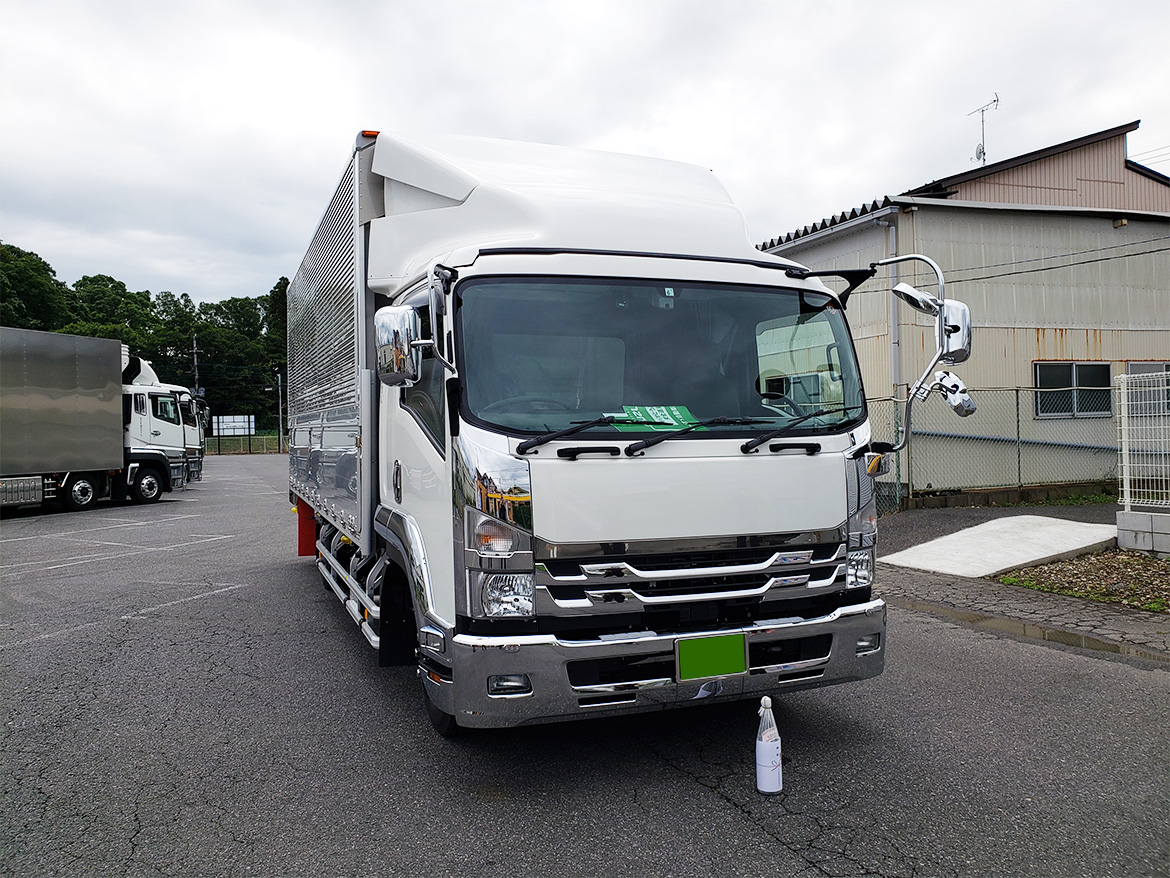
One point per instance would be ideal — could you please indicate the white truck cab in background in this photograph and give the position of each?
(562, 437)
(83, 419)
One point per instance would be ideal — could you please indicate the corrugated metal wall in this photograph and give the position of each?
(1092, 176)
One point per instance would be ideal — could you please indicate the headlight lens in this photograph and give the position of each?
(506, 594)
(859, 569)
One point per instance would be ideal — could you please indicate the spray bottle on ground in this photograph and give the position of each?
(769, 773)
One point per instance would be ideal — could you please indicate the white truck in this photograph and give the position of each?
(82, 419)
(564, 439)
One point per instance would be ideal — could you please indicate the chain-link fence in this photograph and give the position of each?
(1019, 437)
(1143, 430)
(246, 445)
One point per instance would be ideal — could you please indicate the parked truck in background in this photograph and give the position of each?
(562, 438)
(196, 416)
(82, 419)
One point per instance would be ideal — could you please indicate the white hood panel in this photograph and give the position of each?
(648, 498)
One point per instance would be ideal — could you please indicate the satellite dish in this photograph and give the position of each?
(979, 153)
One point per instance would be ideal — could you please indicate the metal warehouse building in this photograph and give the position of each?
(1063, 255)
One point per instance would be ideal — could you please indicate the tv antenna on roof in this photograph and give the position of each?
(981, 147)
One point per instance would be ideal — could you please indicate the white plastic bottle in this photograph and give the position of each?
(769, 773)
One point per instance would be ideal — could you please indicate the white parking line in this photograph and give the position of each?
(9, 569)
(73, 533)
(125, 618)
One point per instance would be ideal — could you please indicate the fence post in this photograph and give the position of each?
(1019, 446)
(1123, 404)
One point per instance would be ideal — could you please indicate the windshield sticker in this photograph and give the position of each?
(667, 417)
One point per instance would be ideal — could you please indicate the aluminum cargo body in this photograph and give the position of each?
(60, 403)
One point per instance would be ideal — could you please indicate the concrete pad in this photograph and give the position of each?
(1005, 544)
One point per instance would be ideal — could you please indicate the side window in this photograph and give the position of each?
(165, 409)
(1073, 390)
(426, 399)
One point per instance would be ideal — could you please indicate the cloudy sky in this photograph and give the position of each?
(192, 146)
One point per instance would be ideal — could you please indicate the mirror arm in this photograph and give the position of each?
(920, 390)
(423, 343)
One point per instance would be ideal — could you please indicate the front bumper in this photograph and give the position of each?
(783, 654)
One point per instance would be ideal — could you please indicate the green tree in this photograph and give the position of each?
(31, 296)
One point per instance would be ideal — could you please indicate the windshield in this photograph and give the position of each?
(539, 354)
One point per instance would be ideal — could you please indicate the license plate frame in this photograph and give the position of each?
(710, 657)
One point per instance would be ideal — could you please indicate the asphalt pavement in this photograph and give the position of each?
(940, 561)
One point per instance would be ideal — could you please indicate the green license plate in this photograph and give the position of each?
(702, 657)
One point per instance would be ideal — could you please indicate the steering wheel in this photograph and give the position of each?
(512, 402)
(784, 399)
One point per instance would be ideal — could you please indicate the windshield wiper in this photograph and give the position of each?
(528, 444)
(635, 447)
(752, 444)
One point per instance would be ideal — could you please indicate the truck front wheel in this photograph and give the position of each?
(147, 487)
(81, 492)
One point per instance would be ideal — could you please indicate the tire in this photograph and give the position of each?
(444, 723)
(147, 487)
(80, 493)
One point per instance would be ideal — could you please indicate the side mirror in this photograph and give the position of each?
(396, 329)
(916, 299)
(953, 332)
(953, 389)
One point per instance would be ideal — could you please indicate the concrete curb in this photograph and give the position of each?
(1028, 630)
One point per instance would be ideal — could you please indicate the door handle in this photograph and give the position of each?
(397, 480)
(155, 432)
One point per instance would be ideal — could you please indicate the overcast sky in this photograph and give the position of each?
(192, 146)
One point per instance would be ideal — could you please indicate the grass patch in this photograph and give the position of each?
(1114, 576)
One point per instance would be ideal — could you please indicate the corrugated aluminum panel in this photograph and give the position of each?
(322, 313)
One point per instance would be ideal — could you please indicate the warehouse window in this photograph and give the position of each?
(1073, 390)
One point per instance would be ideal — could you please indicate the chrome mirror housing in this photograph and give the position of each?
(397, 328)
(953, 332)
(917, 299)
(953, 389)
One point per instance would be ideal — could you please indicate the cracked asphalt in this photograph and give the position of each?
(183, 697)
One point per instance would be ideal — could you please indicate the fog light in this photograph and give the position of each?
(506, 594)
(432, 639)
(868, 643)
(859, 569)
(509, 684)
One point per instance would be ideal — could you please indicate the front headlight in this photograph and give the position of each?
(859, 569)
(506, 594)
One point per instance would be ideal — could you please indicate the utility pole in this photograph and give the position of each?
(195, 360)
(279, 412)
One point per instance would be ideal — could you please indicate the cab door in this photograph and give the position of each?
(165, 423)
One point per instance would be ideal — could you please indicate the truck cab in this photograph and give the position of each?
(563, 439)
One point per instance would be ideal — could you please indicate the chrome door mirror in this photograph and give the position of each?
(954, 332)
(396, 330)
(916, 299)
(954, 391)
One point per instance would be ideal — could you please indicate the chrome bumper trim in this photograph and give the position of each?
(545, 659)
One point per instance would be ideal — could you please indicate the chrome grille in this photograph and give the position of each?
(628, 583)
